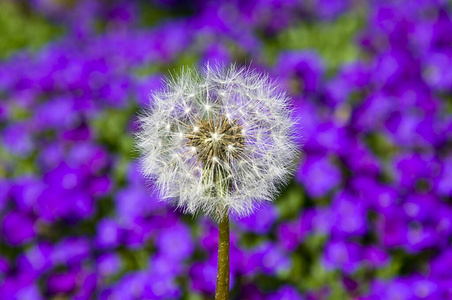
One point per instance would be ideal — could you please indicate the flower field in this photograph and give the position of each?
(367, 215)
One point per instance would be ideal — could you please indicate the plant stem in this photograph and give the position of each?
(222, 292)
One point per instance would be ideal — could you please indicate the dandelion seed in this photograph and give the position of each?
(224, 149)
(229, 129)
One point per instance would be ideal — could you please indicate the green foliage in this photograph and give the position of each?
(291, 201)
(111, 129)
(333, 41)
(22, 29)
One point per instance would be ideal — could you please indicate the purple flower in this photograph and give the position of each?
(137, 232)
(161, 287)
(89, 155)
(17, 139)
(36, 260)
(71, 251)
(25, 191)
(78, 132)
(69, 193)
(18, 228)
(267, 258)
(441, 265)
(319, 175)
(437, 71)
(109, 234)
(416, 128)
(415, 287)
(425, 288)
(203, 276)
(394, 67)
(55, 114)
(289, 235)
(445, 179)
(274, 259)
(375, 257)
(330, 9)
(285, 293)
(163, 265)
(396, 289)
(442, 222)
(4, 266)
(392, 230)
(420, 207)
(175, 242)
(133, 202)
(349, 215)
(272, 16)
(372, 113)
(381, 198)
(130, 286)
(216, 52)
(327, 136)
(360, 159)
(306, 67)
(62, 282)
(145, 86)
(108, 264)
(420, 236)
(30, 292)
(87, 285)
(412, 169)
(341, 255)
(261, 221)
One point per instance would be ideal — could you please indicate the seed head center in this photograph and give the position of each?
(216, 140)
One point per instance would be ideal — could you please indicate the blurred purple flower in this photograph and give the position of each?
(71, 251)
(65, 282)
(445, 179)
(261, 221)
(285, 293)
(305, 69)
(438, 70)
(145, 87)
(330, 9)
(375, 256)
(108, 264)
(108, 234)
(36, 260)
(175, 242)
(290, 235)
(392, 231)
(396, 289)
(17, 139)
(414, 169)
(343, 256)
(349, 215)
(319, 175)
(216, 52)
(30, 292)
(18, 228)
(360, 159)
(25, 191)
(267, 258)
(203, 276)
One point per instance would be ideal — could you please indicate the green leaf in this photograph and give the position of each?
(333, 41)
(22, 29)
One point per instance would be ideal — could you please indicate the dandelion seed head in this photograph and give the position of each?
(218, 140)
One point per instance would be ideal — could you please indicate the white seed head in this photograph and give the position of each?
(226, 141)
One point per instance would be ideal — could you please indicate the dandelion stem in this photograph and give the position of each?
(222, 292)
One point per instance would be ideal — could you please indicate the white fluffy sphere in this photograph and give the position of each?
(216, 141)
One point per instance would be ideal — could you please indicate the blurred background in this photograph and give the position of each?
(368, 214)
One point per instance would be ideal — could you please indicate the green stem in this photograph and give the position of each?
(222, 292)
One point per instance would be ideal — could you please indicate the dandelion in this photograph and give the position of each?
(219, 142)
